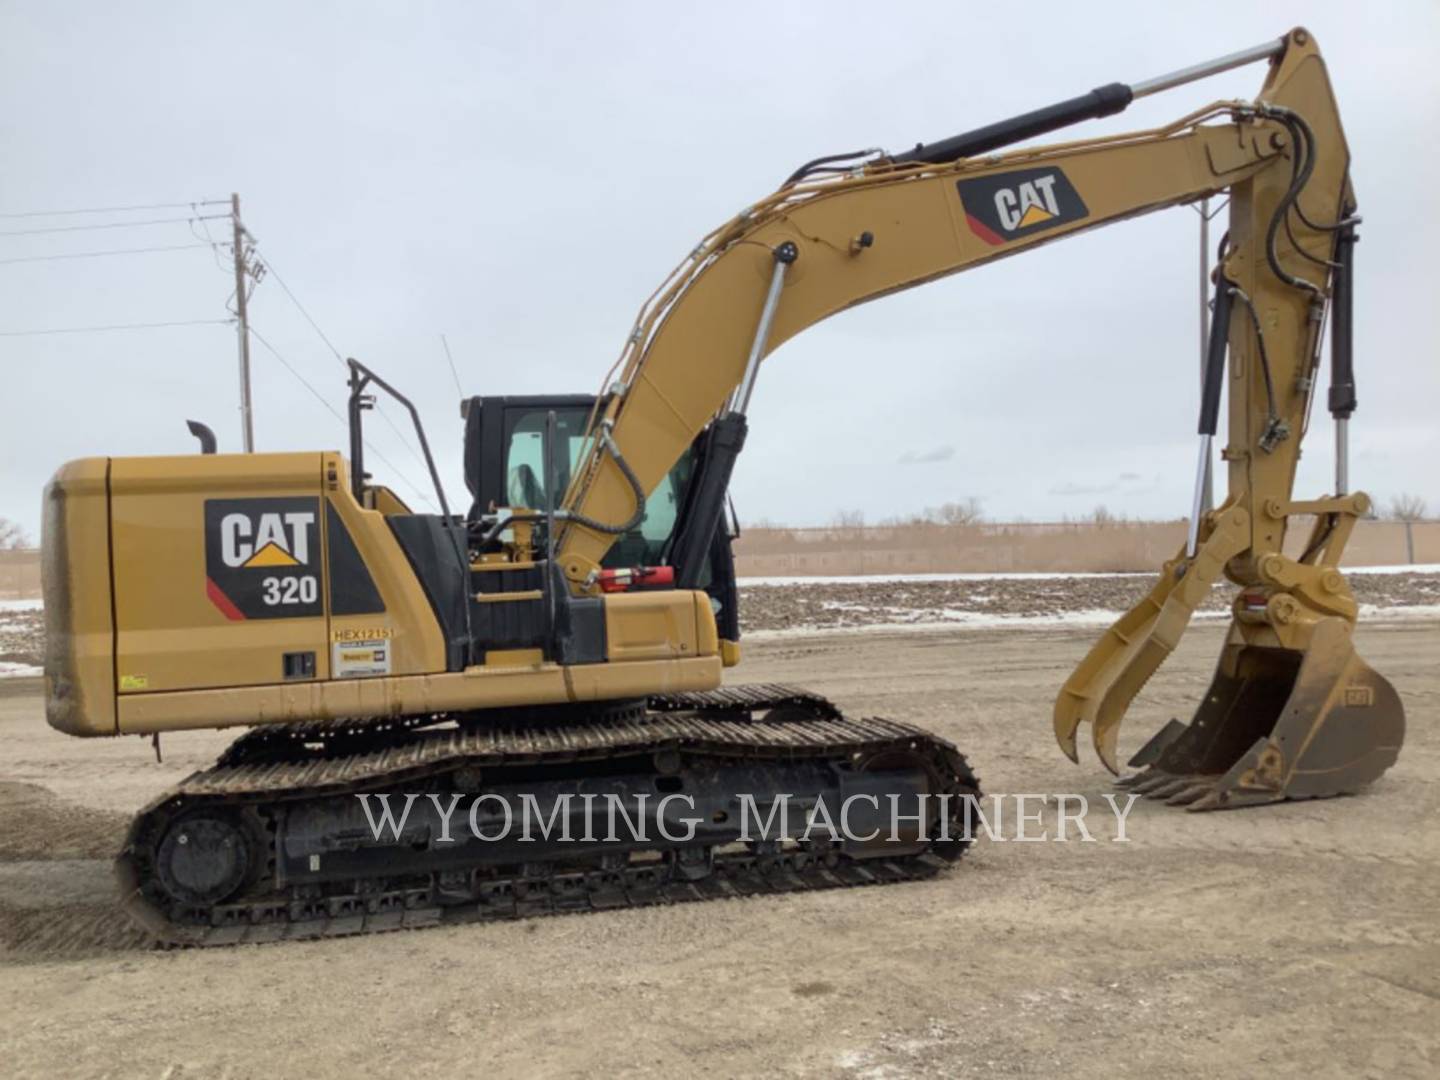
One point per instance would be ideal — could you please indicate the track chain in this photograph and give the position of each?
(336, 757)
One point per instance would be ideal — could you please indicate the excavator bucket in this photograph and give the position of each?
(1277, 724)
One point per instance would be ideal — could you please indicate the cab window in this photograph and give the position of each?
(525, 481)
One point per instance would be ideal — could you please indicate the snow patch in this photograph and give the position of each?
(1417, 568)
(1399, 612)
(894, 579)
(953, 618)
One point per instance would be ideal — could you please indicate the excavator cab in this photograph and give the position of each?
(504, 448)
(505, 468)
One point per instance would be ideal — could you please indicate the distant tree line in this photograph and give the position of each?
(967, 511)
(12, 536)
(1407, 508)
(970, 511)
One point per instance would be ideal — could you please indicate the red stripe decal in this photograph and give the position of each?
(223, 602)
(983, 231)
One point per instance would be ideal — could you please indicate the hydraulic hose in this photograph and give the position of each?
(608, 443)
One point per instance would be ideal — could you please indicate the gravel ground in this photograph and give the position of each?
(795, 607)
(22, 637)
(807, 606)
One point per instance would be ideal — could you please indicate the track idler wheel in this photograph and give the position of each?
(204, 857)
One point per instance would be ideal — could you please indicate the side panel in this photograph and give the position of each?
(218, 563)
(658, 625)
(474, 688)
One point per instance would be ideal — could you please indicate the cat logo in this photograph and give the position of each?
(262, 557)
(1029, 204)
(1012, 205)
(270, 540)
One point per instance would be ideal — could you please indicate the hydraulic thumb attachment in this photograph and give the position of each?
(1292, 711)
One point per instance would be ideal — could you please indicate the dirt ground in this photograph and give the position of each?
(882, 601)
(1299, 940)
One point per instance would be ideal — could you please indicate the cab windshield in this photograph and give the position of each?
(525, 481)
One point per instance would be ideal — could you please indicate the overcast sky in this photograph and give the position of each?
(519, 177)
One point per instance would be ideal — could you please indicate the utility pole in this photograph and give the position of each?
(247, 423)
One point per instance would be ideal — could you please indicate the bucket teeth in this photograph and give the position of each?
(1191, 793)
(1174, 787)
(1153, 783)
(1209, 801)
(1206, 802)
(1174, 790)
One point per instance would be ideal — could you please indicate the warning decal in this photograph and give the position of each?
(358, 653)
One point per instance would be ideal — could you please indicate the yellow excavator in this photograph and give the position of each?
(560, 646)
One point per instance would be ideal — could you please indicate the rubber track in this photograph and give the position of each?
(709, 724)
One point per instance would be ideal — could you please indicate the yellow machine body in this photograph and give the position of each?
(144, 639)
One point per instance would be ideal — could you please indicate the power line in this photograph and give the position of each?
(99, 254)
(214, 246)
(333, 412)
(118, 326)
(115, 209)
(113, 225)
(296, 301)
(451, 361)
(191, 220)
(293, 371)
(404, 441)
(270, 267)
